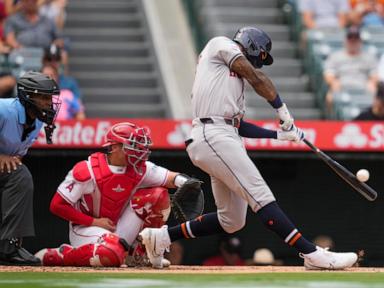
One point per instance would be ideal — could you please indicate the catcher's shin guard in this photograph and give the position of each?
(152, 205)
(53, 256)
(109, 251)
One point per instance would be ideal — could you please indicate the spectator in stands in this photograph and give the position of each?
(368, 13)
(3, 16)
(349, 69)
(264, 257)
(26, 28)
(324, 13)
(7, 81)
(376, 111)
(55, 10)
(52, 56)
(12, 6)
(7, 85)
(230, 249)
(71, 107)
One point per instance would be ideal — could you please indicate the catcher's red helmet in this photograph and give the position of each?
(135, 140)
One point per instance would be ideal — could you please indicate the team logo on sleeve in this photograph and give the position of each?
(70, 187)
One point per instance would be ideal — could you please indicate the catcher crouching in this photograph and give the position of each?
(112, 196)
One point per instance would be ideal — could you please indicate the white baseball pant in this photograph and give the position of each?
(128, 227)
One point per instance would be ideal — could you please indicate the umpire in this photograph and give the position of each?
(20, 122)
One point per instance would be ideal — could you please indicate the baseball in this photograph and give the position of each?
(362, 175)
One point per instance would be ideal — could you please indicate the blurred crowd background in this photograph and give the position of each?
(328, 53)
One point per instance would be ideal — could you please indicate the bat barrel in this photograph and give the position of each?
(365, 190)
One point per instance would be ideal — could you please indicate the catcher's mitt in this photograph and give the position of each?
(188, 201)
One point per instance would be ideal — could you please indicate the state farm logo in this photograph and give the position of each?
(77, 134)
(361, 136)
(351, 136)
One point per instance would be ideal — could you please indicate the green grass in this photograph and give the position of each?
(122, 280)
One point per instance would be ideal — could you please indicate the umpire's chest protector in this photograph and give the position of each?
(115, 189)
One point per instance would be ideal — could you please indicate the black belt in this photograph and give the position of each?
(235, 122)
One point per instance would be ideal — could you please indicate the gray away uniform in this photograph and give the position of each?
(217, 148)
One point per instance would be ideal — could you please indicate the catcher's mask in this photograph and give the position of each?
(257, 45)
(33, 85)
(135, 140)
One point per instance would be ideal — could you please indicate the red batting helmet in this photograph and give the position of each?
(135, 140)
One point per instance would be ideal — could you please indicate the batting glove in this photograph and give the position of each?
(294, 135)
(286, 120)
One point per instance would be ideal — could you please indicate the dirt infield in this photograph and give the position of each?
(184, 269)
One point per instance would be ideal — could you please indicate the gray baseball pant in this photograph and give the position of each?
(218, 150)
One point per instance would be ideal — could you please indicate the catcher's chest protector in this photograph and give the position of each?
(114, 189)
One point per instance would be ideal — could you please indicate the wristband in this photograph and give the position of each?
(276, 103)
(180, 179)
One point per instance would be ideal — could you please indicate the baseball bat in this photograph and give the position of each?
(369, 193)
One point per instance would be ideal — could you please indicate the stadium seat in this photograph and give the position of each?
(25, 59)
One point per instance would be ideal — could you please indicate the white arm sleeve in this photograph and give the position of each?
(72, 190)
(155, 176)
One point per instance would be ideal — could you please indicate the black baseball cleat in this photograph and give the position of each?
(12, 254)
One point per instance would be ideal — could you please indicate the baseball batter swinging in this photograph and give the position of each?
(108, 199)
(216, 147)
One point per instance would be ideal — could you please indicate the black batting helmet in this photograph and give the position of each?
(33, 83)
(257, 45)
